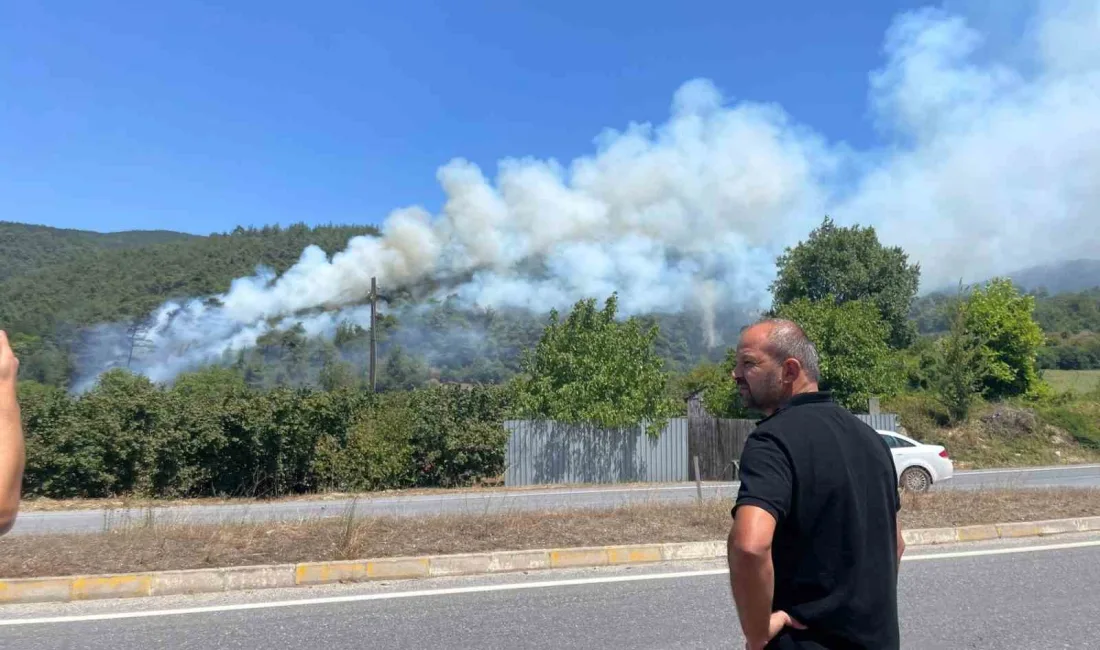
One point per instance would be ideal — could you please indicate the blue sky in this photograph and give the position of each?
(195, 117)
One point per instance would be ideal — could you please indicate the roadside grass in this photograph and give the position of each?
(1074, 381)
(149, 545)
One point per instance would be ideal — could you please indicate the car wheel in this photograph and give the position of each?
(916, 479)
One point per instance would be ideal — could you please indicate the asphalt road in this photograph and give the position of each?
(90, 521)
(1033, 594)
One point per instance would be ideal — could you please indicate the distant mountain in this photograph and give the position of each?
(1067, 298)
(25, 248)
(1064, 277)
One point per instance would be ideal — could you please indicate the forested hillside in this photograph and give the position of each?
(92, 282)
(25, 248)
(443, 343)
(1066, 277)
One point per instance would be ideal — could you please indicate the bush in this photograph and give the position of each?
(212, 435)
(377, 453)
(920, 414)
(459, 435)
(1078, 417)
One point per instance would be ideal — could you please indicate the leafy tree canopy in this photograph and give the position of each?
(593, 368)
(957, 364)
(849, 264)
(856, 360)
(1003, 319)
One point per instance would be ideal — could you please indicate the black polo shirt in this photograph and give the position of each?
(829, 481)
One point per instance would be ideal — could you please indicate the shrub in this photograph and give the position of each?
(212, 435)
(920, 414)
(1080, 418)
(376, 453)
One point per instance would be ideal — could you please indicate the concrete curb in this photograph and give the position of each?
(168, 583)
(926, 536)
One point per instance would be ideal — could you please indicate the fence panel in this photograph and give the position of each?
(883, 421)
(545, 452)
(718, 443)
(542, 452)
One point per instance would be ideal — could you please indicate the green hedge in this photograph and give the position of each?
(210, 435)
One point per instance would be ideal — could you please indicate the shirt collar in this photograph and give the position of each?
(815, 397)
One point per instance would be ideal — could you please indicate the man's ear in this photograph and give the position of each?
(791, 370)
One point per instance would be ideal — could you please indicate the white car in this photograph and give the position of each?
(918, 465)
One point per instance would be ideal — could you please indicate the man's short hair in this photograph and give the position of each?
(789, 341)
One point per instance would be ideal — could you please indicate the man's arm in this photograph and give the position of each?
(752, 577)
(762, 503)
(901, 544)
(12, 451)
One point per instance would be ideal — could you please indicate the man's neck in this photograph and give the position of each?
(798, 388)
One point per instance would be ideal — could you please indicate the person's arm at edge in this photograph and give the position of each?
(12, 445)
(752, 576)
(897, 511)
(901, 544)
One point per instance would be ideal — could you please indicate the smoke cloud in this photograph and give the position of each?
(996, 167)
(988, 164)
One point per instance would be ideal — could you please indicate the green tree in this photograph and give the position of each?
(957, 364)
(715, 381)
(849, 264)
(593, 368)
(856, 360)
(1003, 319)
(402, 371)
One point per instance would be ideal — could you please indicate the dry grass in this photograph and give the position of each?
(989, 506)
(162, 547)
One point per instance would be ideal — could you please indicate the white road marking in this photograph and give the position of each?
(368, 501)
(1024, 470)
(366, 597)
(545, 584)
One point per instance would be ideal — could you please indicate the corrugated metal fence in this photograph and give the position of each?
(542, 452)
(545, 452)
(881, 421)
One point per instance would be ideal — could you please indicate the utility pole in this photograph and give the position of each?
(373, 338)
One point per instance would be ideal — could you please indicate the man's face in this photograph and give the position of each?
(759, 377)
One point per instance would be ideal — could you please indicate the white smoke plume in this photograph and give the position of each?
(988, 165)
(996, 167)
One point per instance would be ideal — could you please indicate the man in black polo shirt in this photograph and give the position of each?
(815, 546)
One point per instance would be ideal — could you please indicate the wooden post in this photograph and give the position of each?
(373, 338)
(698, 480)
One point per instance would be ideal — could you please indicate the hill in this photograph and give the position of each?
(86, 279)
(25, 248)
(1065, 277)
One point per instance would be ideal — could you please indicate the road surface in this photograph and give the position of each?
(90, 521)
(1018, 594)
